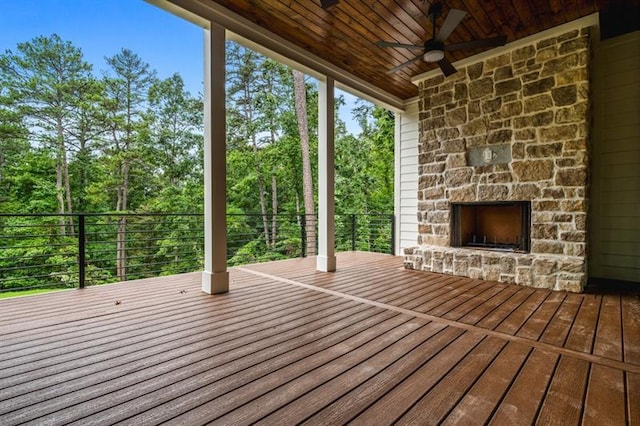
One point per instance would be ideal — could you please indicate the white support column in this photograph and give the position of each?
(397, 188)
(215, 277)
(326, 260)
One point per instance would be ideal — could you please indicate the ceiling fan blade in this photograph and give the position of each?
(446, 67)
(409, 62)
(487, 42)
(454, 17)
(328, 3)
(390, 44)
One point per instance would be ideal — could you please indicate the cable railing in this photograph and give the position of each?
(52, 251)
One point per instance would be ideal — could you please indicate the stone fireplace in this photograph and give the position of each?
(506, 141)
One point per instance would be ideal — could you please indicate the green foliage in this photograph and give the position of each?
(28, 183)
(130, 142)
(175, 132)
(34, 255)
(364, 164)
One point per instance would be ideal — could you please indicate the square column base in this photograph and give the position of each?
(326, 263)
(215, 282)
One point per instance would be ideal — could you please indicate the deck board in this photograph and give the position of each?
(500, 313)
(564, 399)
(536, 324)
(213, 376)
(633, 398)
(359, 399)
(523, 399)
(584, 327)
(369, 344)
(428, 301)
(255, 399)
(608, 342)
(559, 326)
(481, 400)
(516, 319)
(440, 290)
(398, 400)
(321, 396)
(443, 397)
(470, 303)
(631, 328)
(605, 400)
(182, 360)
(334, 378)
(481, 311)
(133, 346)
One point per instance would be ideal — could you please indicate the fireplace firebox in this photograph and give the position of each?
(499, 226)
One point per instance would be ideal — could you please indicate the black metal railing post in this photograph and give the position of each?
(81, 251)
(393, 235)
(353, 232)
(303, 235)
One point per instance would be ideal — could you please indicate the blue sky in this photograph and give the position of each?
(103, 27)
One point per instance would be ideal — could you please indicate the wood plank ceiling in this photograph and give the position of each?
(345, 34)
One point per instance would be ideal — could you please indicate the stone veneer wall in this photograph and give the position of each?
(535, 99)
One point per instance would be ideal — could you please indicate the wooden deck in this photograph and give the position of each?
(370, 344)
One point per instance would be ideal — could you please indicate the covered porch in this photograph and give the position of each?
(544, 101)
(372, 343)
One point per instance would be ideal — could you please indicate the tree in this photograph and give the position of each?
(46, 80)
(272, 103)
(127, 91)
(243, 89)
(90, 125)
(12, 142)
(175, 119)
(28, 184)
(379, 164)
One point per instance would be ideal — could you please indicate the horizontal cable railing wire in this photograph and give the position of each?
(365, 232)
(50, 251)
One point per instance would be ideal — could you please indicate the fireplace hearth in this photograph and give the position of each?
(498, 226)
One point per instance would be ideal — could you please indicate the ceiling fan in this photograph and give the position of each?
(433, 49)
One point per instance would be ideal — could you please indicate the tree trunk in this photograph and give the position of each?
(84, 179)
(121, 237)
(121, 249)
(261, 190)
(263, 198)
(60, 177)
(67, 189)
(274, 210)
(60, 196)
(300, 93)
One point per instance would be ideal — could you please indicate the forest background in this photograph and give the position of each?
(125, 142)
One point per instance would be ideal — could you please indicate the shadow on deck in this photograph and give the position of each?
(370, 344)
